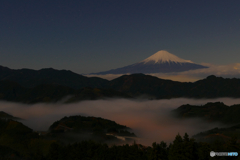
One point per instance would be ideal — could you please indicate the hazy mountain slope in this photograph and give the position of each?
(77, 128)
(221, 134)
(4, 115)
(214, 112)
(82, 123)
(211, 112)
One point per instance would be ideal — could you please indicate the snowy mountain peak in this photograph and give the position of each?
(163, 57)
(160, 62)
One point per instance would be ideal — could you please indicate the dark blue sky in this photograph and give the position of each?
(96, 35)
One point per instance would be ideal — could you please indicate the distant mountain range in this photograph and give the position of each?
(31, 78)
(211, 87)
(160, 62)
(50, 85)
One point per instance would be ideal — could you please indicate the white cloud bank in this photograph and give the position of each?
(226, 71)
(150, 120)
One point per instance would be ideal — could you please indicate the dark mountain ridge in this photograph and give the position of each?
(140, 84)
(50, 85)
(31, 78)
(211, 112)
(211, 87)
(12, 91)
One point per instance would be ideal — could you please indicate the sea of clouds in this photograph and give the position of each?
(150, 120)
(225, 71)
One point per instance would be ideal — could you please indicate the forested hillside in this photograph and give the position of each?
(50, 85)
(21, 143)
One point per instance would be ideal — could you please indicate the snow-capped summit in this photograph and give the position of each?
(163, 57)
(160, 62)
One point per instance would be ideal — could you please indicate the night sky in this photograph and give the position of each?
(96, 35)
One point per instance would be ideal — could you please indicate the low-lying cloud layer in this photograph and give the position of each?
(150, 120)
(226, 71)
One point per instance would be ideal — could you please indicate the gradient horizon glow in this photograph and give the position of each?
(93, 36)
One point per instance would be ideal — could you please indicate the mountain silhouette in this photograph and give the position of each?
(160, 62)
(32, 78)
(50, 85)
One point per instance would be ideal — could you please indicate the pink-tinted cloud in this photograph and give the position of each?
(150, 120)
(226, 71)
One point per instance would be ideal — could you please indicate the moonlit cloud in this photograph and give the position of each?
(218, 70)
(226, 71)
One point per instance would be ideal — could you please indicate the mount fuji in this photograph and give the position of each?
(160, 62)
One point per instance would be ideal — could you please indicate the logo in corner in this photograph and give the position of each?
(212, 153)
